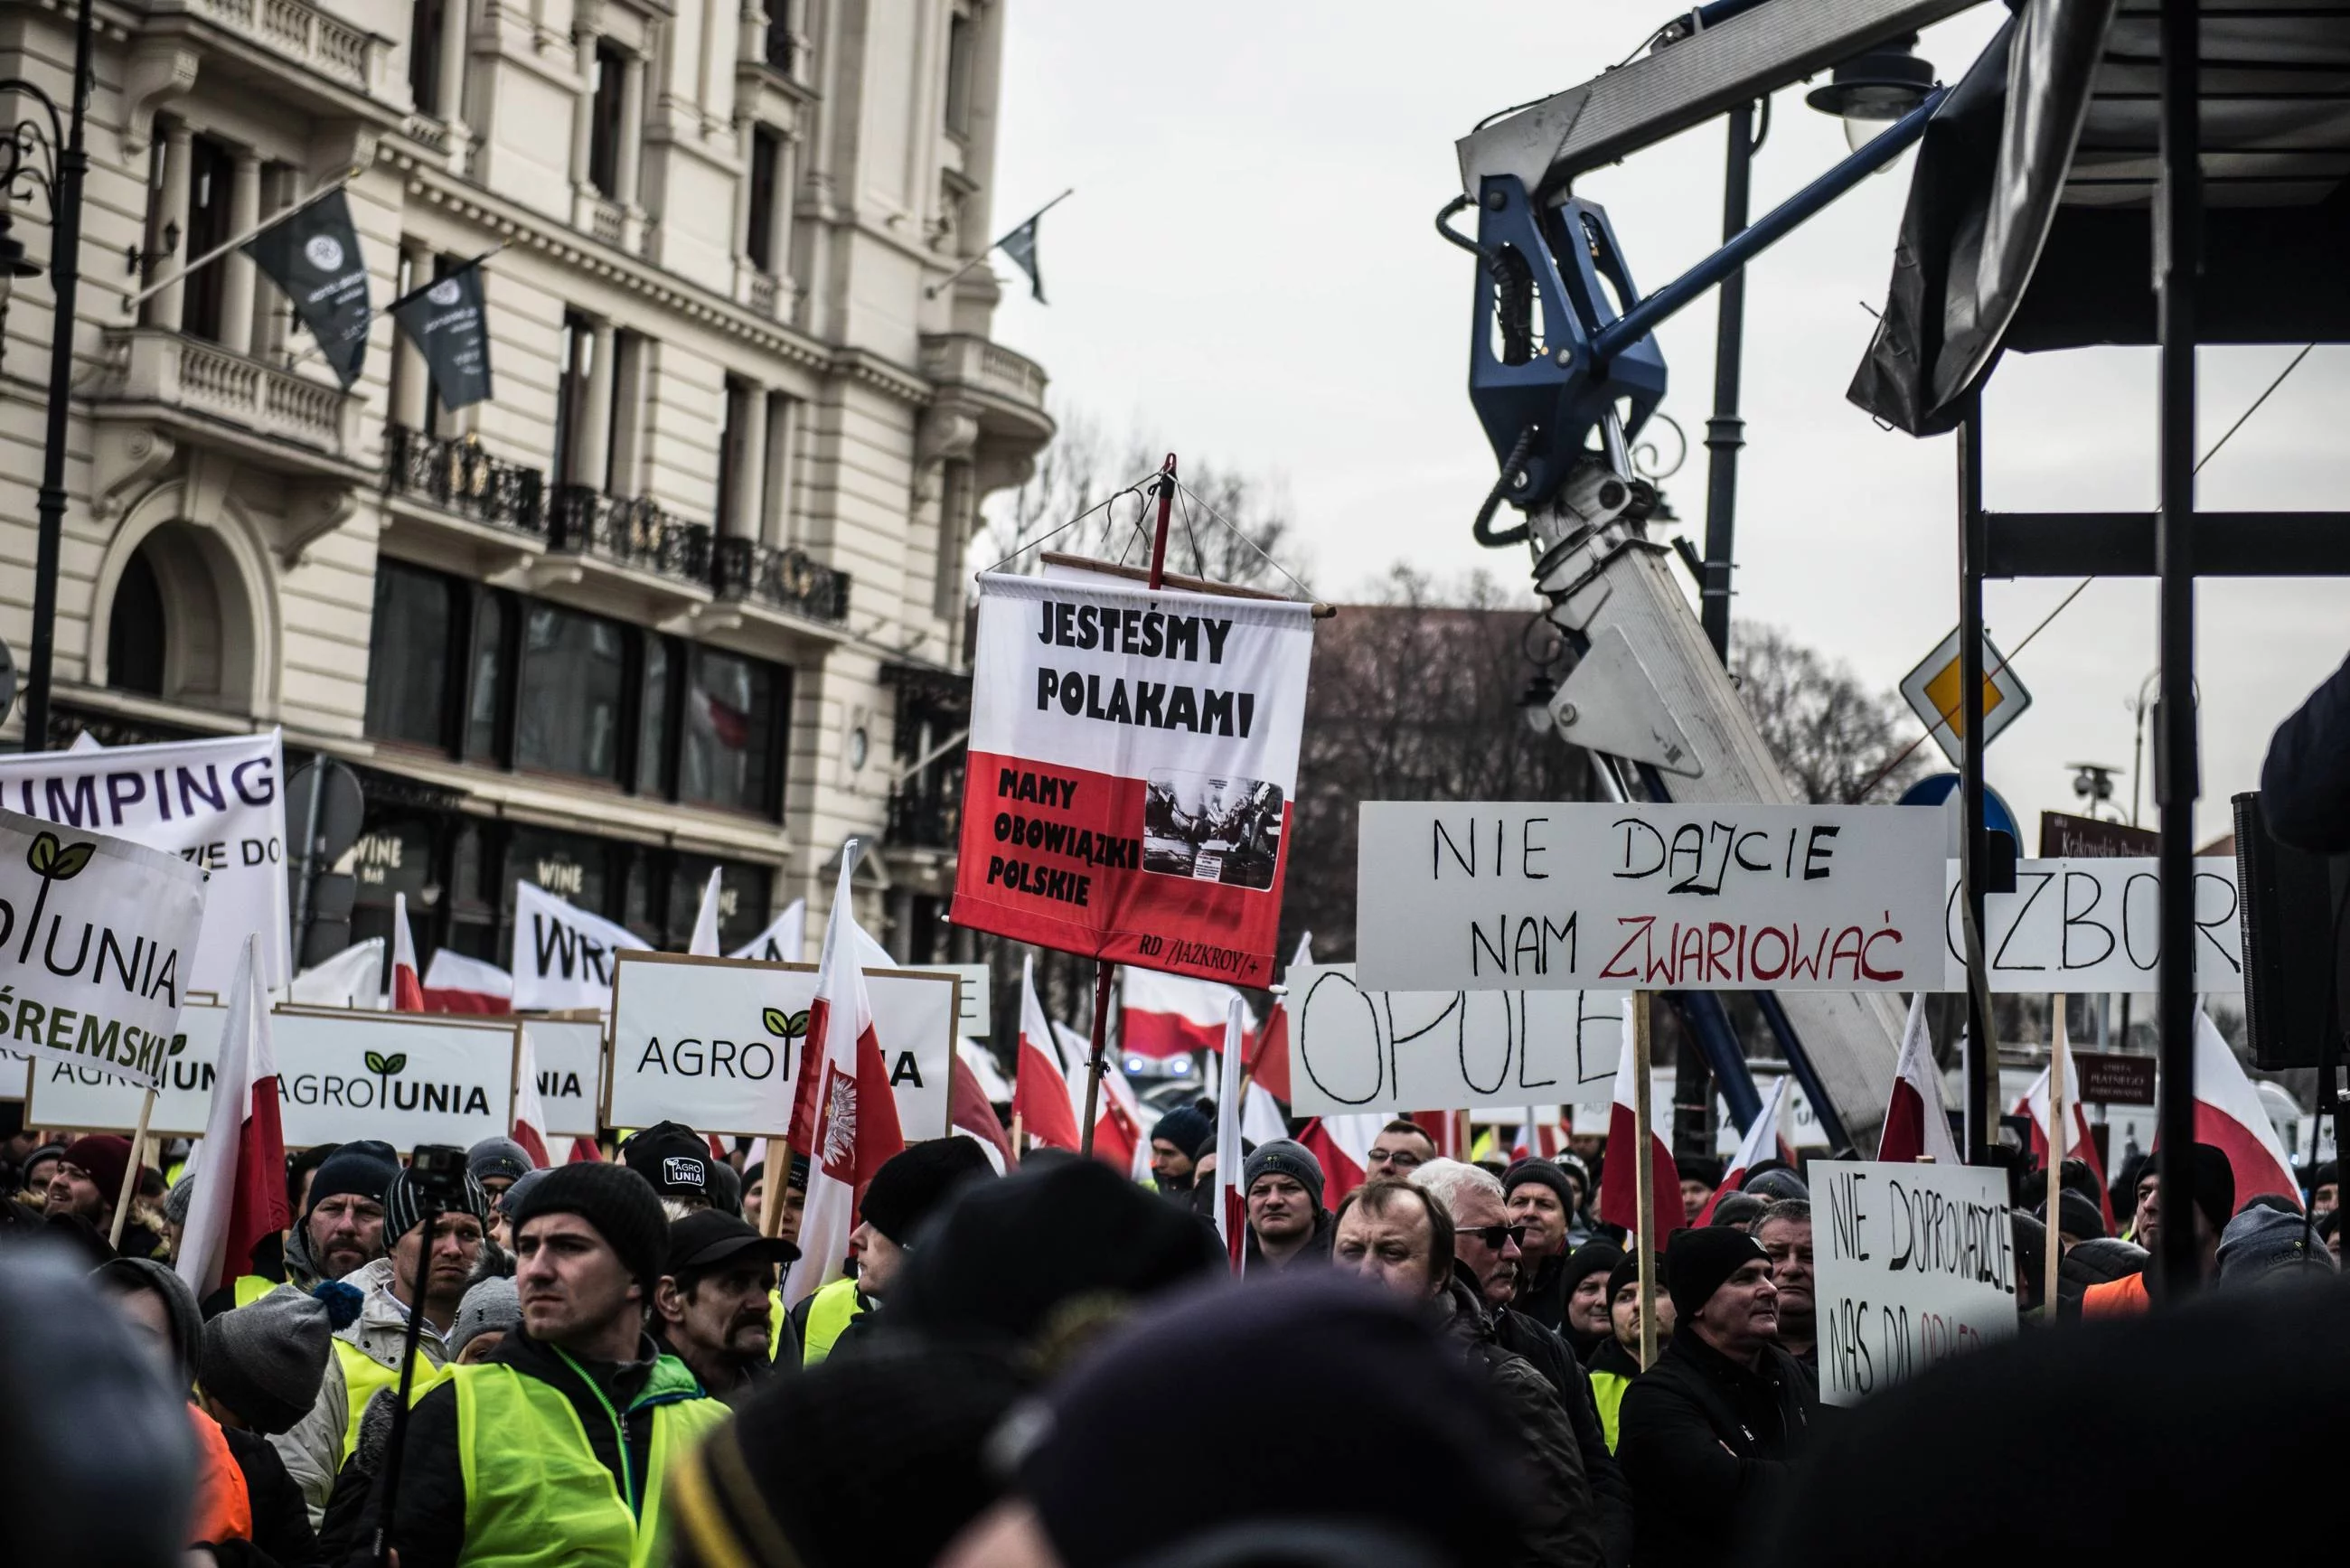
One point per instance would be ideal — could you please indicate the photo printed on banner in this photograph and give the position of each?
(1211, 830)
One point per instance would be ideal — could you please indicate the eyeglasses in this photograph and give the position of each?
(1401, 1159)
(1493, 1235)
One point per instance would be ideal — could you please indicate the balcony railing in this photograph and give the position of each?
(786, 579)
(606, 220)
(151, 365)
(459, 476)
(302, 33)
(925, 821)
(583, 521)
(966, 359)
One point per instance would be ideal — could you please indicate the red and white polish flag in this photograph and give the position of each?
(1119, 1138)
(240, 1193)
(1761, 1143)
(1268, 1057)
(1231, 1202)
(1040, 1089)
(1162, 1016)
(1131, 772)
(1916, 1126)
(2080, 1144)
(972, 1114)
(2227, 1116)
(844, 1116)
(1343, 1144)
(455, 983)
(407, 986)
(1619, 1179)
(529, 1106)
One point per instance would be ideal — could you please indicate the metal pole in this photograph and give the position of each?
(309, 854)
(1158, 539)
(64, 273)
(1725, 432)
(2178, 235)
(1103, 970)
(1644, 1219)
(132, 301)
(1974, 845)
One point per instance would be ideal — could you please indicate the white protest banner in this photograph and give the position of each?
(563, 955)
(977, 1019)
(1352, 1050)
(784, 941)
(1132, 760)
(15, 1077)
(88, 1100)
(404, 1078)
(215, 804)
(2093, 925)
(1552, 896)
(713, 1043)
(571, 1055)
(1916, 1264)
(97, 938)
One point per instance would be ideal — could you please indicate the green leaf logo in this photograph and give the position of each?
(788, 1026)
(43, 857)
(376, 1063)
(179, 1044)
(394, 1062)
(71, 861)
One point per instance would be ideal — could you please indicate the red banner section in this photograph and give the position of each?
(1090, 863)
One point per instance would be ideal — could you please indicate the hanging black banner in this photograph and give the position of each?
(313, 255)
(448, 323)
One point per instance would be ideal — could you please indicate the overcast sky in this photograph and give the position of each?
(1247, 276)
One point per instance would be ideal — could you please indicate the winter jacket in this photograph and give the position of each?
(428, 1526)
(1316, 1251)
(1613, 1367)
(1706, 1444)
(1541, 1295)
(317, 1445)
(1611, 1495)
(1564, 1531)
(2306, 782)
(281, 1519)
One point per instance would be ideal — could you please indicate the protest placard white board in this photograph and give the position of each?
(1567, 896)
(88, 1100)
(976, 1020)
(691, 1041)
(217, 804)
(1915, 1263)
(404, 1078)
(571, 1053)
(1352, 1050)
(97, 938)
(562, 955)
(2093, 925)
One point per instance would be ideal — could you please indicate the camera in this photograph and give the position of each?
(438, 1170)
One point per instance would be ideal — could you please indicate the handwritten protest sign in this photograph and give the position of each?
(1552, 896)
(64, 1094)
(406, 1078)
(1133, 758)
(714, 1043)
(571, 1055)
(2093, 925)
(1353, 1050)
(563, 956)
(97, 938)
(1916, 1264)
(215, 804)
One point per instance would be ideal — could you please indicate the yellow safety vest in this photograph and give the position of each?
(363, 1375)
(536, 1494)
(1607, 1392)
(251, 1288)
(776, 1317)
(830, 1312)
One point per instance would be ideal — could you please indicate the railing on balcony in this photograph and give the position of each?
(786, 579)
(606, 220)
(302, 33)
(969, 359)
(925, 821)
(151, 364)
(584, 521)
(459, 476)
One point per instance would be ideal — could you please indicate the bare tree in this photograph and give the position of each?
(1834, 739)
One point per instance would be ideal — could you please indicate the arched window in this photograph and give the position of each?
(180, 627)
(135, 634)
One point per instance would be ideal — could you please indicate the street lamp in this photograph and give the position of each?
(53, 159)
(1870, 91)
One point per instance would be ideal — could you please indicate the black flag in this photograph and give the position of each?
(447, 321)
(1020, 245)
(313, 253)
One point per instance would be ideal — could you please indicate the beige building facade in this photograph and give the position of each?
(688, 592)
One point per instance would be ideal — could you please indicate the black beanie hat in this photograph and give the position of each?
(916, 1180)
(619, 1203)
(1533, 1169)
(673, 1157)
(1591, 1257)
(363, 1169)
(1187, 1128)
(1628, 1273)
(403, 1205)
(2212, 1179)
(2076, 1216)
(1698, 1262)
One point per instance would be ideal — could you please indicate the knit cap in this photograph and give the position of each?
(498, 1157)
(1187, 1128)
(620, 1204)
(403, 1205)
(264, 1360)
(491, 1306)
(1534, 1168)
(2261, 1242)
(362, 1169)
(1698, 1262)
(917, 1180)
(1284, 1156)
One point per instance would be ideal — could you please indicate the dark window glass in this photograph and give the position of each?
(408, 661)
(211, 171)
(732, 714)
(485, 705)
(764, 147)
(571, 389)
(655, 716)
(424, 54)
(743, 900)
(566, 864)
(134, 637)
(604, 148)
(573, 679)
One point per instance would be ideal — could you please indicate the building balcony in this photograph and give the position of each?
(792, 581)
(925, 821)
(635, 534)
(458, 477)
(279, 419)
(966, 359)
(279, 32)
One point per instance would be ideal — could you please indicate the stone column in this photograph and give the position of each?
(239, 331)
(746, 428)
(163, 310)
(449, 107)
(632, 133)
(593, 449)
(775, 505)
(582, 118)
(410, 397)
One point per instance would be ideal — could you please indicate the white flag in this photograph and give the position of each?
(563, 955)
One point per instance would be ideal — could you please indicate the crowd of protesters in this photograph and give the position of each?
(1049, 1366)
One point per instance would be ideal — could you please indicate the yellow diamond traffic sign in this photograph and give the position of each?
(1933, 692)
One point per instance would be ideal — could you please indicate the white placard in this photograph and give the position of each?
(570, 1073)
(690, 1043)
(1352, 1050)
(87, 1100)
(1915, 1263)
(406, 1078)
(1566, 896)
(97, 936)
(563, 956)
(977, 1019)
(215, 804)
(2095, 925)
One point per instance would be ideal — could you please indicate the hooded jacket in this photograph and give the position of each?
(313, 1449)
(1564, 1531)
(1707, 1445)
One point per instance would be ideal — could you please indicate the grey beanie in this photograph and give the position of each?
(176, 1201)
(403, 1205)
(496, 1157)
(264, 1360)
(1284, 1156)
(492, 1306)
(126, 1274)
(2261, 1242)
